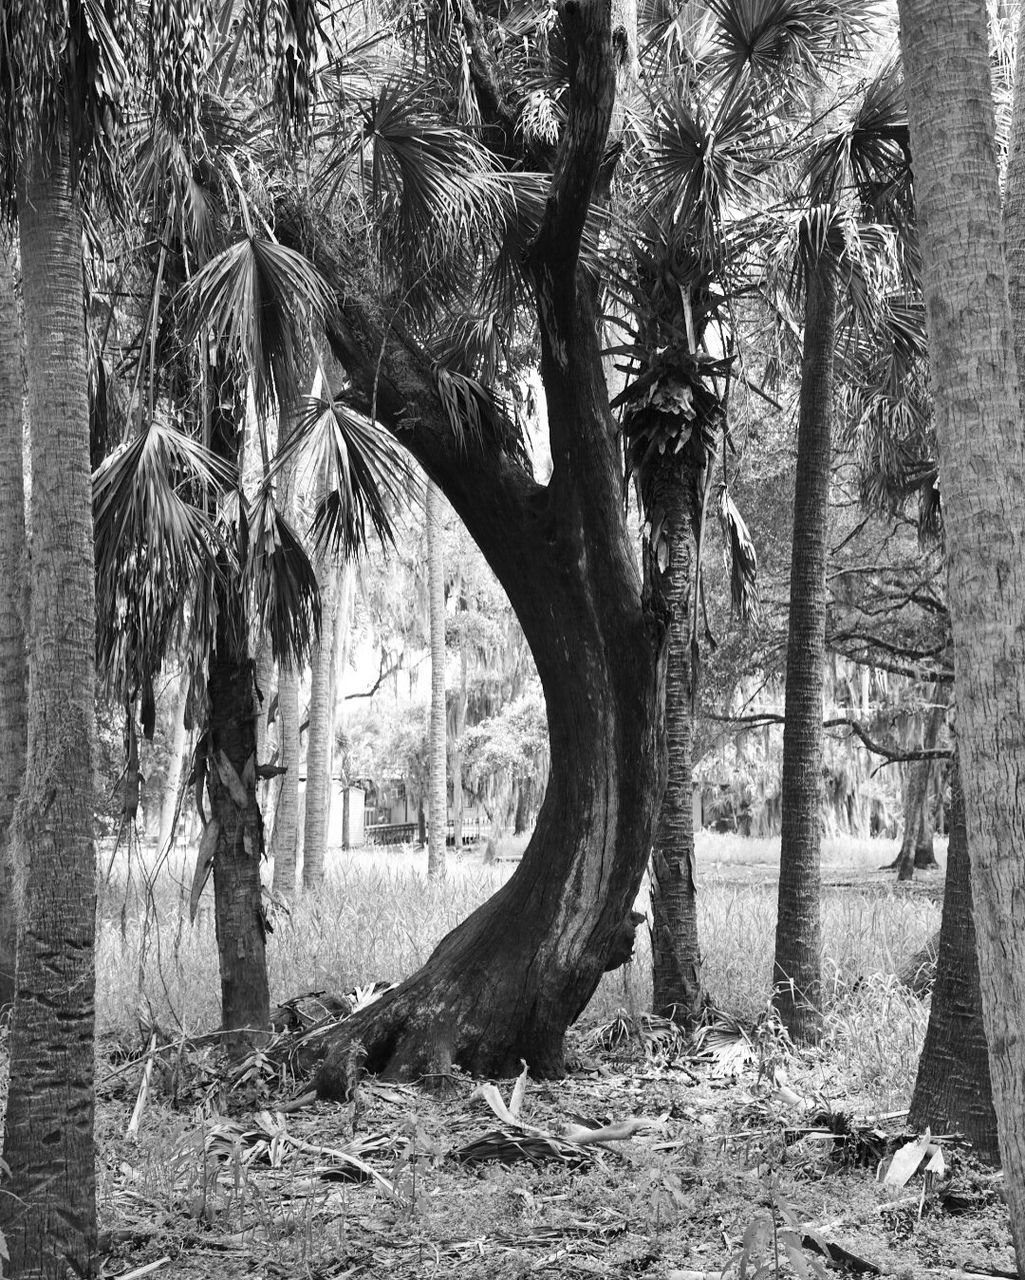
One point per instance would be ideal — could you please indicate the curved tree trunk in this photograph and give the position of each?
(13, 666)
(509, 980)
(675, 953)
(925, 849)
(48, 1209)
(321, 728)
(437, 791)
(952, 1090)
(797, 967)
(982, 475)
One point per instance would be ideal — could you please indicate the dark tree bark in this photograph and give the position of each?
(508, 981)
(675, 952)
(952, 1091)
(231, 785)
(797, 967)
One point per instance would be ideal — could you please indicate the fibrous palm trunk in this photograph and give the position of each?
(675, 953)
(981, 451)
(320, 730)
(797, 962)
(231, 785)
(172, 787)
(285, 838)
(13, 668)
(48, 1208)
(437, 792)
(952, 1090)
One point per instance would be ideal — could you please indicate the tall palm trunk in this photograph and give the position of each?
(952, 1090)
(437, 793)
(49, 1204)
(229, 757)
(13, 669)
(321, 727)
(982, 476)
(458, 729)
(172, 788)
(285, 835)
(675, 953)
(797, 967)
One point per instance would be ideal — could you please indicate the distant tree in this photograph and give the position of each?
(437, 795)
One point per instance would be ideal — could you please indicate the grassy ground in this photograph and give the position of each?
(220, 1183)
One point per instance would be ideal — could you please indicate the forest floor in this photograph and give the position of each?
(728, 1166)
(732, 1150)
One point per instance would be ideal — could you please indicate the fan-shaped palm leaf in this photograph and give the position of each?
(771, 39)
(154, 543)
(366, 475)
(263, 300)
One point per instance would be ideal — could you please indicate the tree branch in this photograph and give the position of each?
(892, 755)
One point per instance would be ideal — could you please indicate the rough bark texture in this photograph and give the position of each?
(13, 668)
(48, 1209)
(952, 1090)
(437, 791)
(797, 967)
(982, 477)
(231, 785)
(675, 953)
(508, 981)
(319, 733)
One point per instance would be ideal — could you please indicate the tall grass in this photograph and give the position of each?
(378, 917)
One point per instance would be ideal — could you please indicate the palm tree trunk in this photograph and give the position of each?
(318, 735)
(437, 794)
(285, 838)
(675, 953)
(172, 788)
(230, 758)
(977, 414)
(13, 667)
(48, 1209)
(918, 791)
(952, 1090)
(797, 972)
(458, 729)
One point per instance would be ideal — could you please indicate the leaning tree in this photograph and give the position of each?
(509, 980)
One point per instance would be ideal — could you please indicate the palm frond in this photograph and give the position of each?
(264, 301)
(773, 39)
(365, 474)
(282, 580)
(740, 557)
(154, 542)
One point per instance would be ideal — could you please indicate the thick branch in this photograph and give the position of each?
(893, 754)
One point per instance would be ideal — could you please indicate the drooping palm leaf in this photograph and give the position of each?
(155, 542)
(740, 557)
(282, 581)
(263, 300)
